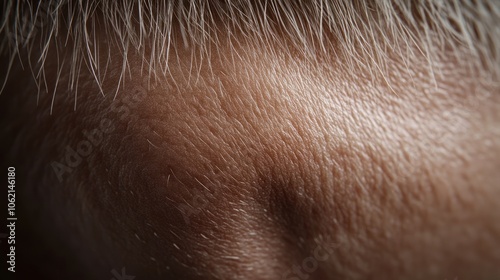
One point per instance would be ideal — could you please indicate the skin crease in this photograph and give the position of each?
(398, 177)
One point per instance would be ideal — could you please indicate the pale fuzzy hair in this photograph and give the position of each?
(361, 33)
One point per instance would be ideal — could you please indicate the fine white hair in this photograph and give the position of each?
(361, 33)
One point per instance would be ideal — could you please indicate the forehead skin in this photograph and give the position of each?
(241, 169)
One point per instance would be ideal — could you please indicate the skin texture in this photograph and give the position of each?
(241, 170)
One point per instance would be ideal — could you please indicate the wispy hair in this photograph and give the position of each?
(362, 34)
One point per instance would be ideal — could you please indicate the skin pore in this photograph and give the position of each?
(259, 162)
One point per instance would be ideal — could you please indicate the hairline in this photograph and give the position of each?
(367, 29)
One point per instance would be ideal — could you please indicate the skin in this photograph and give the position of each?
(243, 169)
